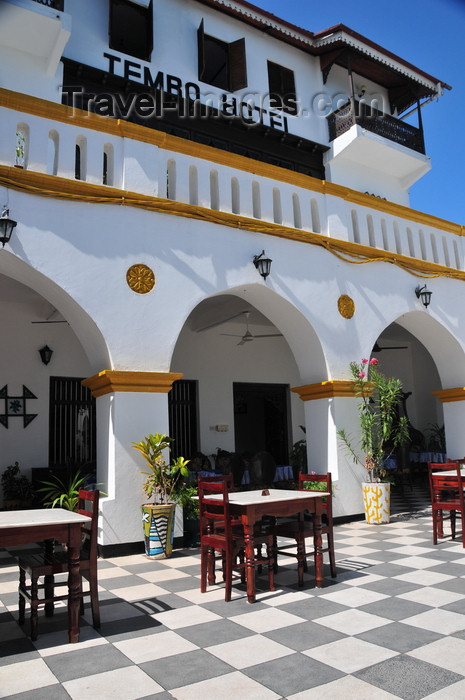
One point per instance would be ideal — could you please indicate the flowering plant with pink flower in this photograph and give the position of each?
(382, 430)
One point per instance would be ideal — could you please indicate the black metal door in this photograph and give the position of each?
(72, 425)
(183, 421)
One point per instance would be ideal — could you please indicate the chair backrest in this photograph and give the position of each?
(228, 478)
(89, 505)
(321, 479)
(214, 509)
(441, 485)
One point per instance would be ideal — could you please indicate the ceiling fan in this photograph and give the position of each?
(378, 348)
(248, 336)
(218, 323)
(50, 319)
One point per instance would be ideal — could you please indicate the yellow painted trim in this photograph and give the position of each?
(44, 185)
(117, 127)
(446, 395)
(325, 390)
(109, 381)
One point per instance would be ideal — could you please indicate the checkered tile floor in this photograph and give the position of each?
(391, 626)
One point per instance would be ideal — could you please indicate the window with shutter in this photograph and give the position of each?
(282, 88)
(221, 64)
(131, 28)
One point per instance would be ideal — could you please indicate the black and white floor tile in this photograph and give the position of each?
(392, 625)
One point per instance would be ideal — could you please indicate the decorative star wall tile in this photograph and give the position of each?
(15, 406)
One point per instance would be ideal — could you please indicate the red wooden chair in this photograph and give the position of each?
(48, 564)
(302, 528)
(446, 496)
(218, 534)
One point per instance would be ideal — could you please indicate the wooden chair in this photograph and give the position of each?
(302, 528)
(49, 563)
(218, 534)
(446, 496)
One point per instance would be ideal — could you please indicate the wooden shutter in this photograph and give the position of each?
(237, 65)
(201, 51)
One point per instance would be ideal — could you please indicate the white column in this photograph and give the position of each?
(454, 420)
(325, 414)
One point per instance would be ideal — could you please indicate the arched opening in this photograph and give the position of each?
(55, 424)
(238, 373)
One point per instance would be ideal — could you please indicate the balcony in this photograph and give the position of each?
(34, 28)
(378, 148)
(377, 122)
(54, 4)
(169, 173)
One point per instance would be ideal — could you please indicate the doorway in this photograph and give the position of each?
(261, 419)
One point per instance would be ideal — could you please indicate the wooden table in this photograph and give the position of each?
(251, 506)
(26, 526)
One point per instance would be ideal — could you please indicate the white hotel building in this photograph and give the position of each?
(149, 150)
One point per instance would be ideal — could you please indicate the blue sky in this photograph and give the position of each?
(431, 35)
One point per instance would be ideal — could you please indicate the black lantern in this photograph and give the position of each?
(423, 293)
(45, 354)
(6, 226)
(263, 264)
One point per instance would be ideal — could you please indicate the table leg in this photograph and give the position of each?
(74, 581)
(318, 546)
(249, 560)
(49, 547)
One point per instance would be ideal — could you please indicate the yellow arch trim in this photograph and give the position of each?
(110, 381)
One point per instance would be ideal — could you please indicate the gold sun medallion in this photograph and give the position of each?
(140, 278)
(346, 306)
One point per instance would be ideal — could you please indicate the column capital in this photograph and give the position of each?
(109, 381)
(446, 395)
(325, 390)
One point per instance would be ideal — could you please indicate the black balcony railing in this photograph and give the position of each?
(54, 4)
(378, 122)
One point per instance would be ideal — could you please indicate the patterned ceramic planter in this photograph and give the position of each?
(158, 524)
(377, 502)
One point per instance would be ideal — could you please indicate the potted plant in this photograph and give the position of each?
(382, 431)
(185, 493)
(160, 484)
(64, 492)
(17, 489)
(20, 149)
(298, 456)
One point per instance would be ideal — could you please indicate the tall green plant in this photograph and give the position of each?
(162, 478)
(382, 430)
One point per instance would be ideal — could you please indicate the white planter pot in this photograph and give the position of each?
(377, 502)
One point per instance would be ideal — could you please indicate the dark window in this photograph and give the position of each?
(282, 88)
(131, 28)
(77, 163)
(221, 64)
(72, 424)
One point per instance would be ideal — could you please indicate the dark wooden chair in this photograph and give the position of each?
(218, 534)
(301, 528)
(446, 496)
(50, 563)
